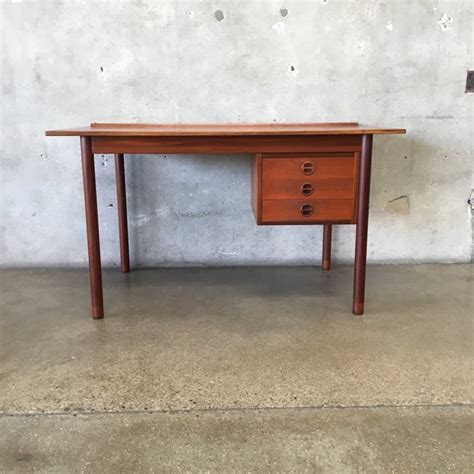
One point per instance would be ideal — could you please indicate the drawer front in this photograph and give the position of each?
(308, 177)
(313, 188)
(308, 167)
(300, 211)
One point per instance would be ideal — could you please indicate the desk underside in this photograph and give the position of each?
(227, 144)
(332, 199)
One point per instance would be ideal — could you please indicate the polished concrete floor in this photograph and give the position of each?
(238, 369)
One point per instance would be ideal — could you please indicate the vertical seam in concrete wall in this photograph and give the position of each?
(471, 203)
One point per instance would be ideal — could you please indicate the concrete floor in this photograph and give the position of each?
(238, 369)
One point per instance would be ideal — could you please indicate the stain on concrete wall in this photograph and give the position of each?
(399, 205)
(388, 63)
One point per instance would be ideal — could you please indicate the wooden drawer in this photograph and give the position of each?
(299, 211)
(301, 188)
(277, 167)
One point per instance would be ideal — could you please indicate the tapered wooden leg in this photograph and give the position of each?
(327, 238)
(362, 225)
(92, 225)
(122, 213)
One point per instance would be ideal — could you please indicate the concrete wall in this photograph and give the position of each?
(388, 63)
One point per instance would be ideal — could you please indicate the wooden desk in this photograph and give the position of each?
(307, 173)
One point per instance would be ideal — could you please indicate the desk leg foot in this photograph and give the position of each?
(362, 225)
(122, 213)
(327, 240)
(92, 225)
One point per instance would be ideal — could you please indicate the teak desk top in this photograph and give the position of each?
(302, 173)
(221, 130)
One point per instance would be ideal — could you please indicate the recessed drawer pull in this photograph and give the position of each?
(307, 189)
(306, 210)
(308, 167)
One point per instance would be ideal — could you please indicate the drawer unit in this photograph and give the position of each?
(305, 188)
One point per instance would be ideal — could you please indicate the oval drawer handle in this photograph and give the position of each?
(308, 167)
(307, 189)
(306, 210)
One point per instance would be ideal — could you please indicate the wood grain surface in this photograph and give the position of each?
(222, 130)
